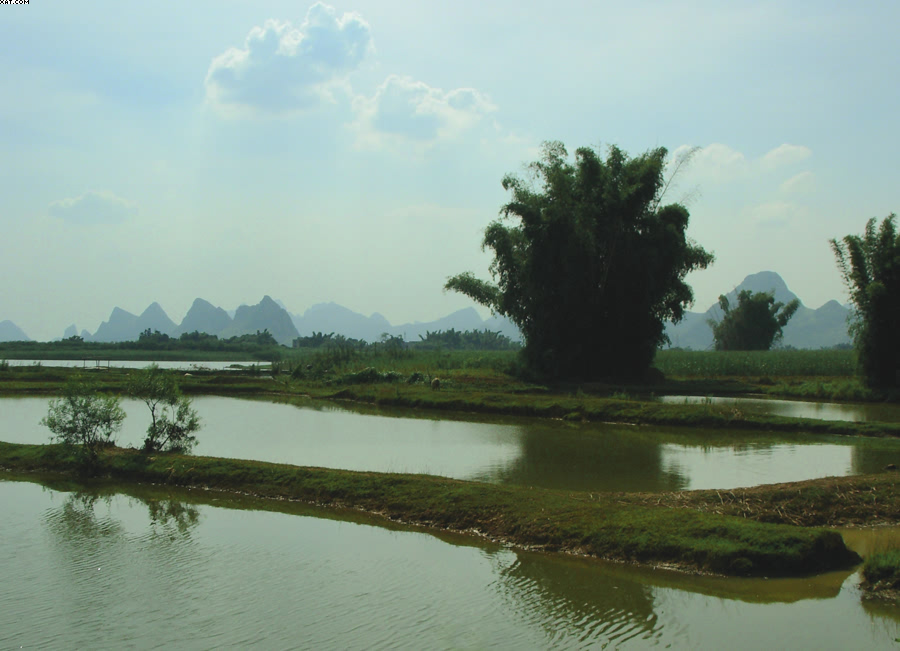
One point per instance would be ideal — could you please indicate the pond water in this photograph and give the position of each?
(132, 567)
(854, 412)
(546, 453)
(122, 363)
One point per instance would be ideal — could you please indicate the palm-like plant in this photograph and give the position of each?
(870, 266)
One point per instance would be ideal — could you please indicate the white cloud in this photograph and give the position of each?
(404, 110)
(799, 183)
(719, 163)
(774, 214)
(282, 68)
(785, 155)
(716, 162)
(93, 208)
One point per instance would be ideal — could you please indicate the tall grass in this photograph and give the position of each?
(882, 570)
(336, 361)
(770, 363)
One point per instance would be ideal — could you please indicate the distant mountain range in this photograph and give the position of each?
(269, 315)
(9, 331)
(824, 327)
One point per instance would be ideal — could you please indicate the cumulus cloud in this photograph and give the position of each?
(283, 68)
(720, 163)
(716, 162)
(802, 182)
(93, 208)
(775, 214)
(404, 109)
(786, 155)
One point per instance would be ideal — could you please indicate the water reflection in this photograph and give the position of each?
(152, 567)
(577, 600)
(854, 412)
(874, 455)
(91, 363)
(611, 458)
(535, 452)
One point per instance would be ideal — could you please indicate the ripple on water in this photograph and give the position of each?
(220, 578)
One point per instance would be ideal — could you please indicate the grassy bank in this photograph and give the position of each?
(881, 574)
(593, 409)
(832, 501)
(466, 391)
(597, 525)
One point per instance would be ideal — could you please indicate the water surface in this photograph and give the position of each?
(853, 412)
(94, 362)
(93, 567)
(531, 452)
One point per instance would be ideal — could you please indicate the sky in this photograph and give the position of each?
(353, 152)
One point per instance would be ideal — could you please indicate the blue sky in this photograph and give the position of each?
(354, 152)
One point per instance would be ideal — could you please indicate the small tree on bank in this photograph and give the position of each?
(870, 266)
(85, 418)
(172, 419)
(588, 264)
(755, 324)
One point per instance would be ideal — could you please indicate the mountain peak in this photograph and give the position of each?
(118, 313)
(764, 281)
(154, 309)
(767, 281)
(9, 331)
(204, 317)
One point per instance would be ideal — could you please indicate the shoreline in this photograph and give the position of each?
(460, 398)
(597, 525)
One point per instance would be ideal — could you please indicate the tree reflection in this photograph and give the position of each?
(868, 457)
(574, 599)
(172, 514)
(77, 517)
(598, 458)
(82, 516)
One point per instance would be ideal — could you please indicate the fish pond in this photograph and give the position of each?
(533, 452)
(853, 412)
(109, 567)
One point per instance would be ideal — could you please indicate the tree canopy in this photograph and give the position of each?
(173, 420)
(85, 418)
(755, 324)
(870, 266)
(588, 263)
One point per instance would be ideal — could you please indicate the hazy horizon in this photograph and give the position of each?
(293, 311)
(354, 152)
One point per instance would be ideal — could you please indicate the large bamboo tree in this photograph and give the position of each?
(756, 323)
(587, 263)
(870, 265)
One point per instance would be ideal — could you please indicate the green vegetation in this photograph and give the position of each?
(172, 419)
(151, 346)
(553, 520)
(861, 500)
(757, 364)
(84, 419)
(881, 571)
(592, 265)
(870, 266)
(755, 324)
(453, 339)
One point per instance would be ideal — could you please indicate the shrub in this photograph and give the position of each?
(84, 418)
